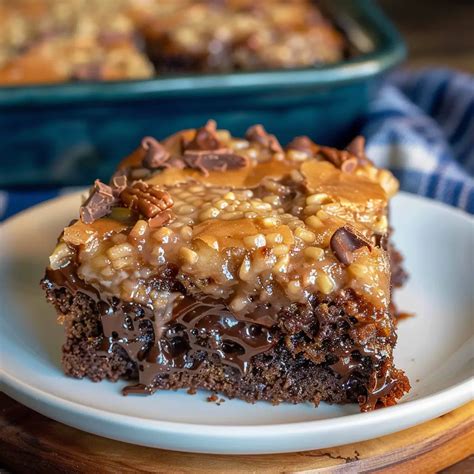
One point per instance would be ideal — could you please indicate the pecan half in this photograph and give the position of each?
(148, 200)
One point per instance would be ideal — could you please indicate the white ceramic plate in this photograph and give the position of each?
(435, 349)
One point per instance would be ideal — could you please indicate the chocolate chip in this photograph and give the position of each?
(219, 160)
(205, 138)
(345, 241)
(303, 144)
(156, 154)
(148, 200)
(256, 133)
(98, 204)
(357, 148)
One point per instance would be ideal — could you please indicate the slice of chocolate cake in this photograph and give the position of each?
(236, 266)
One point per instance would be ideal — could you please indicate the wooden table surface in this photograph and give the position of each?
(30, 442)
(438, 33)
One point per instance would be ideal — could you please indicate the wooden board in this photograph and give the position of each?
(30, 442)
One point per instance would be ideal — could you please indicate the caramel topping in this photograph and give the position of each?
(249, 176)
(323, 177)
(232, 233)
(83, 234)
(271, 227)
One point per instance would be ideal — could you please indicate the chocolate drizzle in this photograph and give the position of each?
(235, 341)
(66, 277)
(177, 337)
(161, 343)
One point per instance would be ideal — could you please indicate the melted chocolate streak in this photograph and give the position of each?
(197, 326)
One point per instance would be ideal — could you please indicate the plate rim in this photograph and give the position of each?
(426, 408)
(459, 394)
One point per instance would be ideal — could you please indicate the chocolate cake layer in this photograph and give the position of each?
(235, 265)
(320, 355)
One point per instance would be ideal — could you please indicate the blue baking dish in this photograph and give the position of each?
(71, 133)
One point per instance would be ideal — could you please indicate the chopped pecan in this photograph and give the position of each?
(357, 148)
(156, 154)
(258, 134)
(342, 159)
(349, 165)
(303, 144)
(160, 219)
(205, 138)
(148, 200)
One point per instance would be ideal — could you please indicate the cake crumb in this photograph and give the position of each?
(191, 391)
(215, 399)
(212, 398)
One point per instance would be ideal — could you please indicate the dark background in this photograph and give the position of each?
(437, 32)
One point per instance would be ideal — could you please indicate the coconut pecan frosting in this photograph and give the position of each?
(238, 265)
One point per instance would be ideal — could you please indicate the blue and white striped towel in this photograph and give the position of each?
(420, 125)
